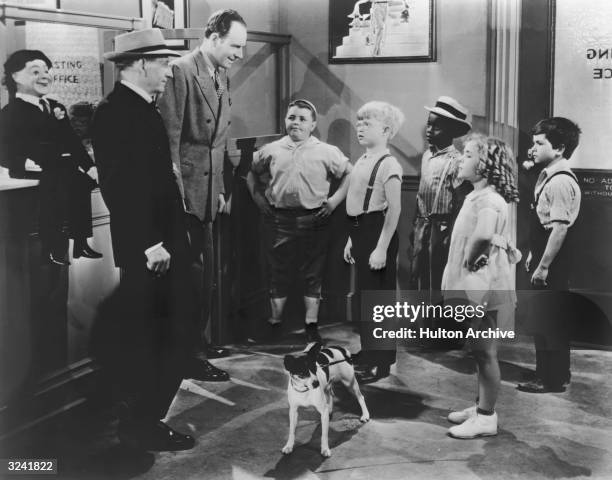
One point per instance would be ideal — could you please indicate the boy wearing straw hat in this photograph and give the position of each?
(440, 194)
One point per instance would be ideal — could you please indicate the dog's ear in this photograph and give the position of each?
(313, 353)
(313, 350)
(289, 362)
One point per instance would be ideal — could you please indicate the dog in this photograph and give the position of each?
(311, 377)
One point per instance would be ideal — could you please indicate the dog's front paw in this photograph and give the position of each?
(365, 418)
(287, 449)
(326, 452)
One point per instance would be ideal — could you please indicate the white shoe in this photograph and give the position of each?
(476, 426)
(462, 415)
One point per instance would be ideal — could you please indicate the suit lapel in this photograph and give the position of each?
(206, 84)
(224, 111)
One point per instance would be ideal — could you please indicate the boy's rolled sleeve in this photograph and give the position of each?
(261, 161)
(337, 163)
(391, 169)
(563, 198)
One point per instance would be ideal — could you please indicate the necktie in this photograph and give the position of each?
(218, 86)
(45, 106)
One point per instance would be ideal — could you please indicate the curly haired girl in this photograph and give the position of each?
(479, 265)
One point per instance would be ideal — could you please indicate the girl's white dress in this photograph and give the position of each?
(493, 284)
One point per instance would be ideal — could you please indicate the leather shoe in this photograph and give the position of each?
(214, 351)
(86, 252)
(537, 386)
(206, 371)
(57, 261)
(371, 373)
(157, 437)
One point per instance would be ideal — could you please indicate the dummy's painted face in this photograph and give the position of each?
(299, 123)
(34, 78)
(226, 50)
(371, 132)
(542, 150)
(469, 163)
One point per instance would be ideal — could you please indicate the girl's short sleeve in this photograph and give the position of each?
(491, 201)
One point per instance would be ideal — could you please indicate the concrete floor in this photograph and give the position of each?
(241, 425)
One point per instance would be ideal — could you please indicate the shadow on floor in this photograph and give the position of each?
(505, 456)
(461, 362)
(307, 457)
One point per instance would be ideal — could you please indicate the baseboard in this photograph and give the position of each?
(53, 395)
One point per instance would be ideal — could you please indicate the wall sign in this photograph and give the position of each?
(75, 53)
(583, 76)
(595, 184)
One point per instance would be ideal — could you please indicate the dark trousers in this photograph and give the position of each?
(78, 211)
(52, 213)
(365, 232)
(431, 240)
(552, 309)
(553, 358)
(201, 253)
(141, 336)
(65, 200)
(550, 313)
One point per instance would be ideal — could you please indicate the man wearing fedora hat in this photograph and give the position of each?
(196, 108)
(440, 194)
(150, 327)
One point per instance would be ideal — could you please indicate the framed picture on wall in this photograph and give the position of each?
(166, 14)
(364, 31)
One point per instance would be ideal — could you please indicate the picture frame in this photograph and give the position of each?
(362, 31)
(167, 14)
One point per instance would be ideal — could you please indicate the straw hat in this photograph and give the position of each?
(450, 108)
(140, 43)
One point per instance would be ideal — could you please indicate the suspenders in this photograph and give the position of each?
(366, 200)
(562, 172)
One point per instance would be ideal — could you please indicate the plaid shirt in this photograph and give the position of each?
(432, 168)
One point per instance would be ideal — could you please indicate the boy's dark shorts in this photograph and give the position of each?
(297, 239)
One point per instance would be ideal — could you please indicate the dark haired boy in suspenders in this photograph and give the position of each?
(554, 211)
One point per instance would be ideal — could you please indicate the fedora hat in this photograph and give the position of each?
(450, 108)
(140, 43)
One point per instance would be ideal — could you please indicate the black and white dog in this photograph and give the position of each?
(311, 376)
